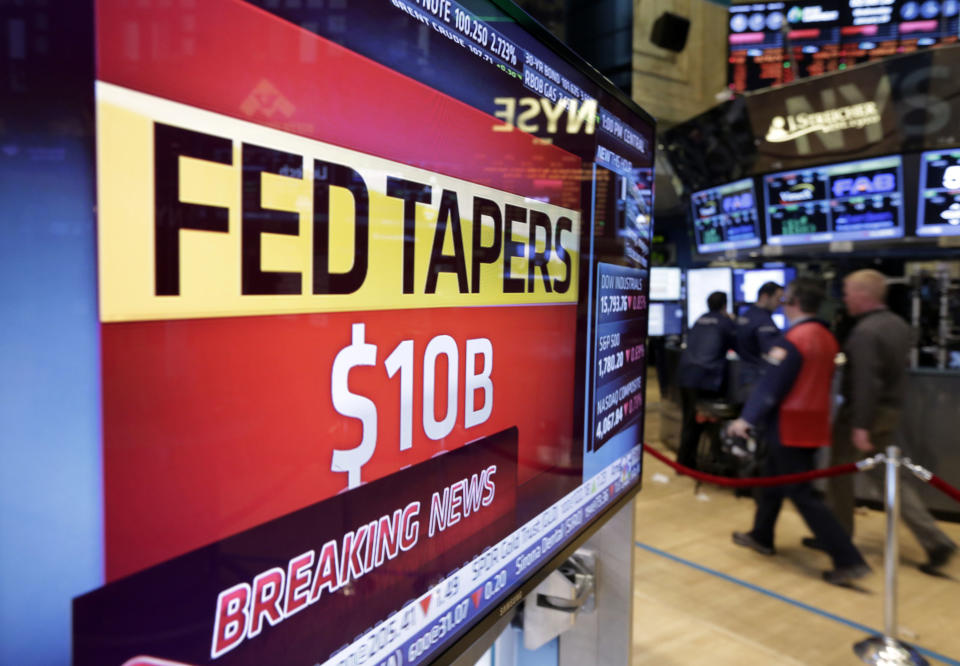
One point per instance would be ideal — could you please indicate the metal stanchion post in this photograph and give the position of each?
(886, 650)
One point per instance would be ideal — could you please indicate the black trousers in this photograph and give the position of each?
(821, 521)
(689, 428)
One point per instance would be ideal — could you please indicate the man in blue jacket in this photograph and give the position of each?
(756, 334)
(702, 371)
(792, 401)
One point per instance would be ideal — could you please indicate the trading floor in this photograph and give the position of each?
(698, 597)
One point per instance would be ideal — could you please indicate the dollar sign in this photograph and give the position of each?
(354, 406)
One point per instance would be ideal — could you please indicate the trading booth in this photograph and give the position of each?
(858, 168)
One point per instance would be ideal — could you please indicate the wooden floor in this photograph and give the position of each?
(701, 599)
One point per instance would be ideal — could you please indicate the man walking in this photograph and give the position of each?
(792, 400)
(756, 334)
(873, 388)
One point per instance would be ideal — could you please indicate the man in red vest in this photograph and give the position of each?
(792, 400)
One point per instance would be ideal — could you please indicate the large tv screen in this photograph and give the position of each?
(726, 217)
(938, 212)
(852, 201)
(331, 433)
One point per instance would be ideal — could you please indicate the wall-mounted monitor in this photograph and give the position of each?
(665, 318)
(747, 281)
(666, 283)
(402, 453)
(852, 201)
(938, 210)
(701, 282)
(726, 217)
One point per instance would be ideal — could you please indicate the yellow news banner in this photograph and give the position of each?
(206, 266)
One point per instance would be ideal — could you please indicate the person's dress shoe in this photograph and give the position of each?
(937, 559)
(746, 539)
(813, 542)
(846, 575)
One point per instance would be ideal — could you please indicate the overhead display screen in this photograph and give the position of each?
(330, 436)
(938, 212)
(701, 282)
(778, 42)
(756, 45)
(726, 217)
(859, 200)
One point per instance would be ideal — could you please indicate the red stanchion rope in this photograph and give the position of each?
(944, 487)
(756, 481)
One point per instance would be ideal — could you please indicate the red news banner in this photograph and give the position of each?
(214, 426)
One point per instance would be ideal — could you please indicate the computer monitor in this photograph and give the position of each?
(701, 282)
(747, 281)
(726, 217)
(666, 283)
(859, 200)
(665, 318)
(938, 210)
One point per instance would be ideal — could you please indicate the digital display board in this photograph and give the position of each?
(757, 46)
(330, 436)
(726, 217)
(701, 282)
(665, 318)
(778, 42)
(938, 211)
(666, 283)
(859, 200)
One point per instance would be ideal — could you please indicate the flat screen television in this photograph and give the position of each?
(852, 201)
(938, 209)
(329, 433)
(701, 282)
(726, 217)
(665, 318)
(666, 283)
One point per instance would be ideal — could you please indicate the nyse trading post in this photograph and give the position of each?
(726, 217)
(852, 201)
(939, 206)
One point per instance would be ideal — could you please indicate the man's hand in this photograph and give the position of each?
(739, 428)
(861, 440)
